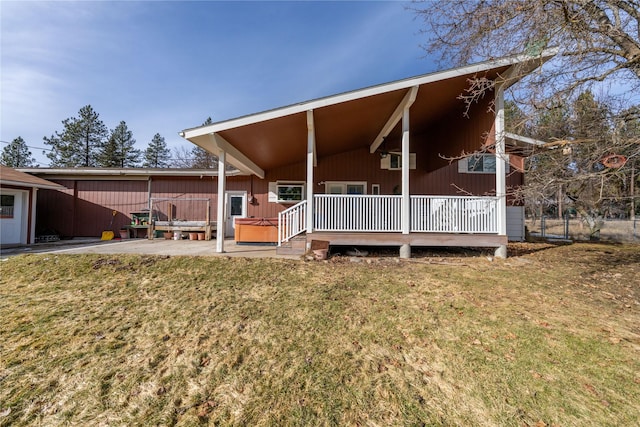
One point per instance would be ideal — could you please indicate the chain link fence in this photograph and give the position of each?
(614, 230)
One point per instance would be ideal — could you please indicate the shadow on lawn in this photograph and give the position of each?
(513, 249)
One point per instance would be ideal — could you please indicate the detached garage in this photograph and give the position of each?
(18, 192)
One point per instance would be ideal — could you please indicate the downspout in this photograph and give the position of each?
(501, 184)
(150, 222)
(74, 219)
(149, 198)
(31, 233)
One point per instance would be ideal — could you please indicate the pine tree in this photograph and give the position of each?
(194, 157)
(157, 154)
(515, 119)
(119, 150)
(202, 159)
(80, 142)
(17, 155)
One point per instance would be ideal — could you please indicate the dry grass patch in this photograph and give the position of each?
(548, 337)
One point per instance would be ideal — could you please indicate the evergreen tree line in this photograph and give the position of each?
(589, 164)
(85, 141)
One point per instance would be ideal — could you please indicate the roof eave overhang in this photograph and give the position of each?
(208, 137)
(135, 173)
(524, 65)
(524, 139)
(30, 185)
(523, 145)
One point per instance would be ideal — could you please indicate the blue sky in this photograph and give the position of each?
(166, 66)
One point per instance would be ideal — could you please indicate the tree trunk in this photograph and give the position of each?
(632, 189)
(559, 196)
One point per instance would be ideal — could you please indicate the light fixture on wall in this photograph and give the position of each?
(384, 153)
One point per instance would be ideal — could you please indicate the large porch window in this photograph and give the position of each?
(286, 192)
(338, 187)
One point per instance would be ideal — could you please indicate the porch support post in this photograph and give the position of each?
(222, 183)
(405, 250)
(501, 185)
(311, 162)
(31, 238)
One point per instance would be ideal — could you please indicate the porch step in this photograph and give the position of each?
(296, 246)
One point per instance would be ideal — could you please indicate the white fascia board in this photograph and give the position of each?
(133, 173)
(395, 117)
(363, 93)
(235, 157)
(53, 186)
(525, 139)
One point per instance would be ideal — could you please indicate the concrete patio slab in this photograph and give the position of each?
(149, 247)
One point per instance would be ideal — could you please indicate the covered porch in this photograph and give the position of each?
(376, 220)
(423, 114)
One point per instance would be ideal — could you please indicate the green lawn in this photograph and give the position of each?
(550, 336)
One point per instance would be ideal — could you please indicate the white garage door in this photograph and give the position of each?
(12, 224)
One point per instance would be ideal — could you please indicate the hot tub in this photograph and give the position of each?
(256, 230)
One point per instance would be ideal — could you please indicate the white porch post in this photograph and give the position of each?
(501, 185)
(311, 147)
(405, 249)
(220, 222)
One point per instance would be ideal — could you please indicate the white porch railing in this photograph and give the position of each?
(363, 213)
(454, 214)
(292, 221)
(429, 214)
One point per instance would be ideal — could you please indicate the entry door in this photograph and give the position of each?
(12, 224)
(236, 207)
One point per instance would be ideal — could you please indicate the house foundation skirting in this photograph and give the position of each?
(413, 239)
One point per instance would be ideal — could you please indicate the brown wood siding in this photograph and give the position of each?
(96, 201)
(84, 207)
(182, 189)
(55, 210)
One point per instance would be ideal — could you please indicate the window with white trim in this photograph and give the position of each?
(393, 161)
(287, 192)
(350, 187)
(480, 163)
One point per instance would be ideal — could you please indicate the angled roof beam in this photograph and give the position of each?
(395, 117)
(235, 157)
